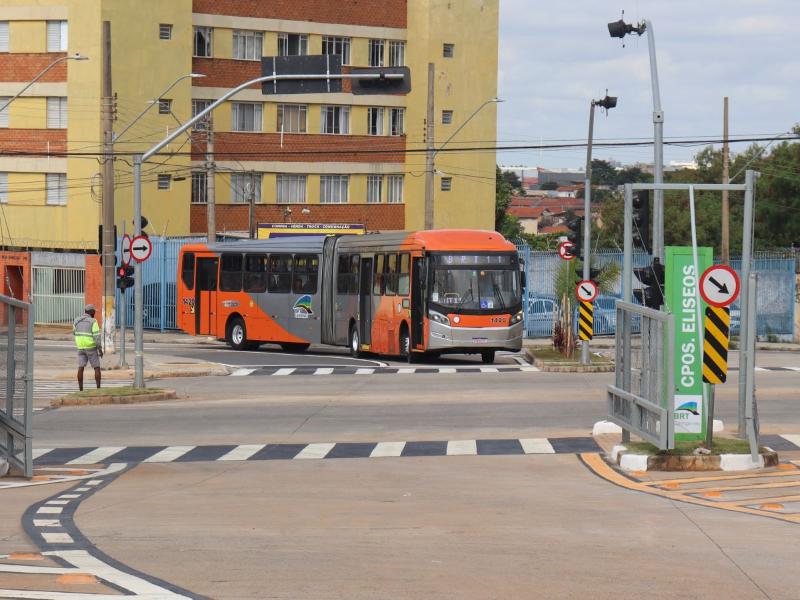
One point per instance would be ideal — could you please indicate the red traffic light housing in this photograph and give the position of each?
(124, 277)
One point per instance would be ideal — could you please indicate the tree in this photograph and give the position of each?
(603, 173)
(513, 179)
(507, 225)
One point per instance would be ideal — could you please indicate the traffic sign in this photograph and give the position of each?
(586, 290)
(719, 286)
(141, 248)
(126, 250)
(585, 321)
(715, 344)
(566, 250)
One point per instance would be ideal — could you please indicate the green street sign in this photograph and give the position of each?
(682, 299)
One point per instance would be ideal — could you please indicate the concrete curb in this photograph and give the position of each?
(133, 399)
(703, 462)
(127, 374)
(568, 367)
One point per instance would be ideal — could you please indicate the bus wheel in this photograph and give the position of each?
(293, 347)
(355, 343)
(237, 334)
(487, 356)
(405, 347)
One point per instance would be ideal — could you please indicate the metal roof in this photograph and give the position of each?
(297, 243)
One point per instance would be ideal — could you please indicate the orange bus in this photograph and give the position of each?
(406, 294)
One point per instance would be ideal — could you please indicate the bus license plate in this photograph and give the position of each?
(480, 340)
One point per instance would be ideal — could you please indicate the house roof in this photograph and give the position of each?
(526, 212)
(554, 229)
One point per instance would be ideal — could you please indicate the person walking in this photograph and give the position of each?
(87, 339)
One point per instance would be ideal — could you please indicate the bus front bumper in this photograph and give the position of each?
(474, 339)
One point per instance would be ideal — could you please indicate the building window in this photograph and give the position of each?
(203, 37)
(206, 122)
(57, 189)
(247, 45)
(199, 187)
(244, 186)
(375, 120)
(292, 44)
(395, 191)
(57, 113)
(337, 45)
(397, 121)
(376, 53)
(165, 31)
(57, 36)
(291, 189)
(447, 184)
(164, 181)
(164, 106)
(397, 54)
(374, 189)
(333, 189)
(3, 36)
(448, 50)
(447, 117)
(4, 112)
(246, 116)
(292, 118)
(335, 119)
(3, 188)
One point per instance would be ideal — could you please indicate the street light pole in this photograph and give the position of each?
(40, 75)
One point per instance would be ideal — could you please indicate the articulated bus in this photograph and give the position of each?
(407, 294)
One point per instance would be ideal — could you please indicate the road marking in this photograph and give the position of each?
(794, 438)
(443, 370)
(314, 451)
(364, 371)
(69, 496)
(40, 452)
(57, 502)
(49, 510)
(57, 538)
(168, 454)
(530, 369)
(95, 456)
(386, 449)
(242, 452)
(490, 370)
(242, 372)
(406, 370)
(462, 448)
(46, 523)
(537, 446)
(325, 371)
(282, 372)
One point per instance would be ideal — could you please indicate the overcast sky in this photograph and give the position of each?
(556, 56)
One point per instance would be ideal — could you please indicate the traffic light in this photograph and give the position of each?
(124, 277)
(575, 235)
(398, 83)
(641, 220)
(651, 293)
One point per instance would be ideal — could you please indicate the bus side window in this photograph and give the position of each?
(377, 285)
(306, 268)
(230, 278)
(391, 274)
(343, 275)
(280, 274)
(255, 273)
(187, 270)
(403, 279)
(355, 268)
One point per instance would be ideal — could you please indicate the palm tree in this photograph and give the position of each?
(564, 286)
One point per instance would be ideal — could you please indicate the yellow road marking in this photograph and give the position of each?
(753, 486)
(773, 499)
(794, 472)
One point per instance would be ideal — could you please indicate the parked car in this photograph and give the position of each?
(541, 313)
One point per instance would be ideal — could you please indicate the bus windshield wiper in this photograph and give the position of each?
(499, 294)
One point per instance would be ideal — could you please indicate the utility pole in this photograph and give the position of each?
(726, 225)
(430, 154)
(251, 198)
(109, 242)
(211, 199)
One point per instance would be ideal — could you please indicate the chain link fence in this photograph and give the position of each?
(16, 385)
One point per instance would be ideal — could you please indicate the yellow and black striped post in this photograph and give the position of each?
(715, 346)
(585, 320)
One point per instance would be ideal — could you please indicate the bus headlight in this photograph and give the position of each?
(434, 316)
(517, 318)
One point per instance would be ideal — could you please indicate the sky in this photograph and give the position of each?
(555, 57)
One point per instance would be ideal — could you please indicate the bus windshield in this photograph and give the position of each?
(476, 283)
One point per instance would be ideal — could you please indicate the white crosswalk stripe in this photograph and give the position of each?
(242, 452)
(168, 454)
(95, 456)
(281, 372)
(462, 448)
(315, 451)
(537, 446)
(383, 449)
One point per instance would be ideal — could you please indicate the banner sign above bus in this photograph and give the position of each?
(272, 230)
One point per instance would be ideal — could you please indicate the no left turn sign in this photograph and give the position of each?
(566, 250)
(586, 291)
(126, 250)
(719, 286)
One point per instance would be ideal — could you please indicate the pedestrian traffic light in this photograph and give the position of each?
(641, 220)
(124, 277)
(575, 235)
(651, 294)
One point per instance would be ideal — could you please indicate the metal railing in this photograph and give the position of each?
(640, 400)
(16, 383)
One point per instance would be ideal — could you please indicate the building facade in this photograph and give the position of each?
(329, 158)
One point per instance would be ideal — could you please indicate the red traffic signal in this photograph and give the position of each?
(124, 277)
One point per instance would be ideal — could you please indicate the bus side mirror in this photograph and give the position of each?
(523, 274)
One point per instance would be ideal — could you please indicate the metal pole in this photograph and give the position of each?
(749, 412)
(726, 227)
(109, 243)
(211, 190)
(138, 308)
(627, 287)
(29, 381)
(587, 220)
(251, 200)
(123, 321)
(747, 327)
(430, 154)
(658, 148)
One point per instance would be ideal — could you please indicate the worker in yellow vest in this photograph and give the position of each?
(87, 339)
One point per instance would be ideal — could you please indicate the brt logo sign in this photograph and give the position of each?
(302, 308)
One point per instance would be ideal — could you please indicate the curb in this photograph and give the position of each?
(123, 375)
(703, 462)
(570, 367)
(96, 400)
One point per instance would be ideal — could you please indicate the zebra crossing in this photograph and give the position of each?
(361, 371)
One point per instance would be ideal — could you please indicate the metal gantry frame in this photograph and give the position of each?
(746, 412)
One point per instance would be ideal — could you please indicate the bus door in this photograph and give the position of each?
(417, 302)
(365, 301)
(205, 299)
